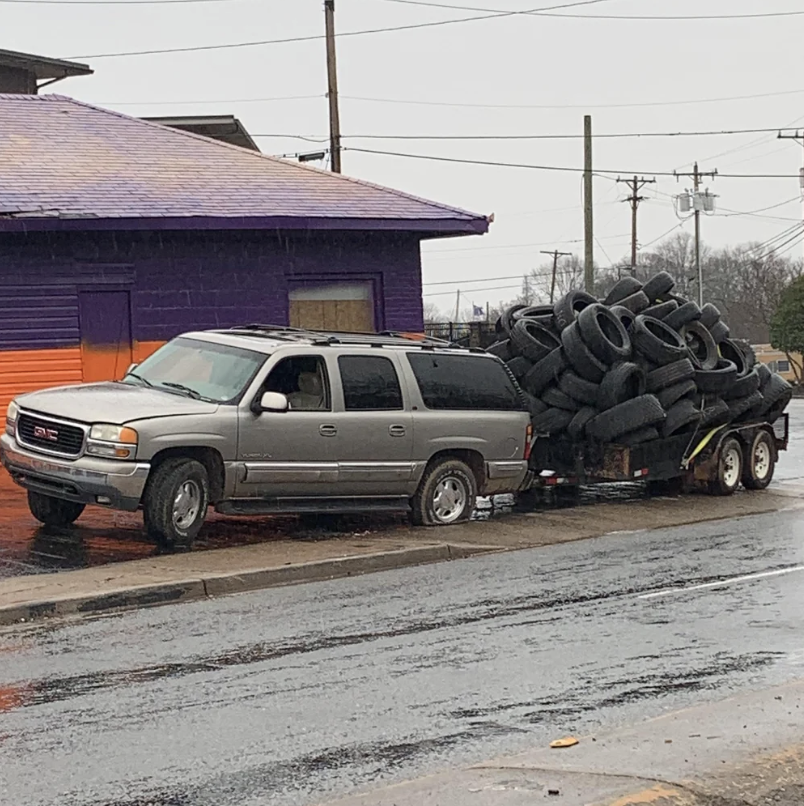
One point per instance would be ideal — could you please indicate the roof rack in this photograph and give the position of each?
(384, 338)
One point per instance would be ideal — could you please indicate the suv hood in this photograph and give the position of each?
(116, 403)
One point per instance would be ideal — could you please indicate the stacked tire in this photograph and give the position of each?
(640, 365)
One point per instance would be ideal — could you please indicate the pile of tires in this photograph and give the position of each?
(641, 364)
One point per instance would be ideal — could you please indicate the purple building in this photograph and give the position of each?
(117, 233)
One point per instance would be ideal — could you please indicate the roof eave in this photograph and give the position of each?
(425, 227)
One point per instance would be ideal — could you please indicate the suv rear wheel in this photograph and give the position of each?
(446, 494)
(175, 503)
(53, 511)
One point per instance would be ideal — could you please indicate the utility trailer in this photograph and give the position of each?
(716, 461)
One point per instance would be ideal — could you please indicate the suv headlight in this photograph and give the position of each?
(12, 412)
(112, 441)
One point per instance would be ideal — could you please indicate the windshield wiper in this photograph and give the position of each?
(139, 378)
(182, 388)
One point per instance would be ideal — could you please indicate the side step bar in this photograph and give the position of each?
(299, 506)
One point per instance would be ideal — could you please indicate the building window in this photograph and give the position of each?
(783, 365)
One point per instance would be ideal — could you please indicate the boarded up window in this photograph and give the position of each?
(342, 306)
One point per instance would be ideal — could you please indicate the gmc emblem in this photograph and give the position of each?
(46, 433)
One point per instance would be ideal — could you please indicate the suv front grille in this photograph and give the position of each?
(50, 436)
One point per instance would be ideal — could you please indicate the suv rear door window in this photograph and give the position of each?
(463, 382)
(370, 383)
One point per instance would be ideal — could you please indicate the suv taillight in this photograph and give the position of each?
(528, 440)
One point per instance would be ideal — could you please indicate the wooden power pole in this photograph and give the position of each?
(589, 236)
(555, 254)
(332, 88)
(799, 138)
(635, 185)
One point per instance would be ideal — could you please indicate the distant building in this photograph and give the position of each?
(777, 361)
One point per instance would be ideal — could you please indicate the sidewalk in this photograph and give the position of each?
(199, 574)
(745, 751)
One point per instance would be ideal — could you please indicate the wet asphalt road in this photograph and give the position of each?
(295, 695)
(101, 536)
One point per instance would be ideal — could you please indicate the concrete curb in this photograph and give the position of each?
(187, 590)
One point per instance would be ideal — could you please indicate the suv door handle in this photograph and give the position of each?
(396, 430)
(327, 430)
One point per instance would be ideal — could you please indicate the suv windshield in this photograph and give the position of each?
(200, 369)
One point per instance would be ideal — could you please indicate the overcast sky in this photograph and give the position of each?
(505, 76)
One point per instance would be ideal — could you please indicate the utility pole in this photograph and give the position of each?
(555, 255)
(698, 203)
(636, 184)
(799, 138)
(589, 237)
(332, 88)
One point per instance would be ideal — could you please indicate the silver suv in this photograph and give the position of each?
(261, 419)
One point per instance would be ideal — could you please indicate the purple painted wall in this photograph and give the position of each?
(180, 281)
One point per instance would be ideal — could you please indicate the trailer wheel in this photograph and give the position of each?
(759, 461)
(729, 468)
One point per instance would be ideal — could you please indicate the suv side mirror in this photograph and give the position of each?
(274, 401)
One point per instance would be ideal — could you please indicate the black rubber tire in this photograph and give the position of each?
(716, 381)
(764, 375)
(730, 451)
(670, 375)
(552, 421)
(700, 345)
(715, 413)
(759, 461)
(683, 315)
(776, 391)
(648, 434)
(636, 303)
(658, 285)
(535, 312)
(624, 287)
(639, 412)
(544, 372)
(578, 388)
(709, 315)
(742, 387)
(657, 342)
(744, 346)
(577, 427)
(53, 511)
(672, 394)
(604, 334)
(519, 365)
(661, 310)
(580, 357)
(621, 383)
(569, 306)
(534, 405)
(422, 505)
(739, 408)
(502, 349)
(160, 495)
(680, 416)
(556, 399)
(731, 352)
(532, 340)
(506, 322)
(778, 408)
(625, 316)
(720, 331)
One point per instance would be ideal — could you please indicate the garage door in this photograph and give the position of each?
(342, 306)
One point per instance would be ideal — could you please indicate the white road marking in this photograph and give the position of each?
(723, 582)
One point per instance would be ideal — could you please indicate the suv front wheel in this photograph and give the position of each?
(446, 495)
(175, 503)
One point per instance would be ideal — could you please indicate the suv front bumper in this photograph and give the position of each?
(117, 485)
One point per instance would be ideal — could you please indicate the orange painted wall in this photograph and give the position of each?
(30, 370)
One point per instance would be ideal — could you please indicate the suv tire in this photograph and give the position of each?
(53, 511)
(446, 494)
(175, 503)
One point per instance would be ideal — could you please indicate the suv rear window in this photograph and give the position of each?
(464, 382)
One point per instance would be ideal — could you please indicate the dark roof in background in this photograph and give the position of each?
(43, 68)
(226, 128)
(68, 165)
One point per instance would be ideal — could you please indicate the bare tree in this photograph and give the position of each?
(432, 313)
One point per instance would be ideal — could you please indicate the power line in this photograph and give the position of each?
(317, 37)
(561, 168)
(758, 15)
(185, 102)
(732, 213)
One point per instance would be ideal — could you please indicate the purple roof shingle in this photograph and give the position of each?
(68, 164)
